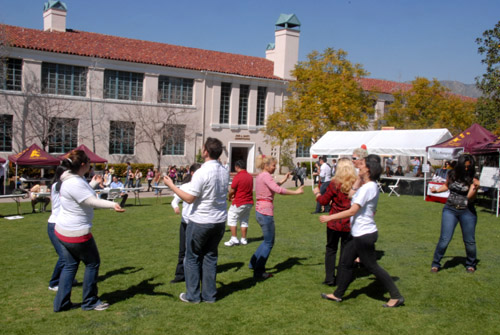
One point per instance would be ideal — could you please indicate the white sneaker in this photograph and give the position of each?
(54, 288)
(231, 242)
(243, 241)
(101, 307)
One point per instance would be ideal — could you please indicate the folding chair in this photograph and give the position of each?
(380, 186)
(394, 187)
(113, 194)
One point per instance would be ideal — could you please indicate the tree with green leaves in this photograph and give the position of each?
(326, 95)
(488, 107)
(428, 104)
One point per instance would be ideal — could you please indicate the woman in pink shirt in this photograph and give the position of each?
(265, 188)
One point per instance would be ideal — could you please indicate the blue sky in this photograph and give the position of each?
(393, 40)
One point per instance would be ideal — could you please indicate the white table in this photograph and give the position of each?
(17, 198)
(159, 189)
(411, 181)
(135, 190)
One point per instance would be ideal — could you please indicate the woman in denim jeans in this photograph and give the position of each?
(459, 207)
(73, 230)
(265, 188)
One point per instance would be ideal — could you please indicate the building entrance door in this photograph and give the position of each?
(238, 153)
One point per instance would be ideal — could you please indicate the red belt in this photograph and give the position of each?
(267, 200)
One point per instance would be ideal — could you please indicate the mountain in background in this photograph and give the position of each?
(468, 90)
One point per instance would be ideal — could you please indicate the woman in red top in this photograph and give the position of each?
(337, 194)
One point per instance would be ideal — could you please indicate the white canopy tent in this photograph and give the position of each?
(381, 142)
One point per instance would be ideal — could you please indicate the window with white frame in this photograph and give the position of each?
(64, 79)
(6, 132)
(225, 99)
(175, 90)
(261, 105)
(11, 74)
(123, 85)
(302, 150)
(121, 138)
(174, 140)
(243, 106)
(63, 134)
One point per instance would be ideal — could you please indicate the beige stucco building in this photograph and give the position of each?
(134, 100)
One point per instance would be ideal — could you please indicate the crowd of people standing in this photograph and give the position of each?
(347, 196)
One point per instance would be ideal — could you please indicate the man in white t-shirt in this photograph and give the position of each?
(207, 193)
(325, 175)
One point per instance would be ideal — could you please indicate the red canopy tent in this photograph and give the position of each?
(473, 140)
(34, 155)
(92, 156)
(2, 160)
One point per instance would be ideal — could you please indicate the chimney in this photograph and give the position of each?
(54, 16)
(285, 51)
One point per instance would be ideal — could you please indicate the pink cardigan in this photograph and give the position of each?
(265, 188)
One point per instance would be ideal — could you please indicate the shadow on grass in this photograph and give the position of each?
(374, 290)
(228, 266)
(455, 261)
(120, 271)
(255, 239)
(145, 287)
(288, 264)
(244, 284)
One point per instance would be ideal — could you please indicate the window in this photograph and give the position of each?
(302, 150)
(261, 106)
(175, 90)
(63, 135)
(121, 137)
(64, 79)
(225, 97)
(243, 108)
(123, 85)
(10, 74)
(6, 132)
(174, 140)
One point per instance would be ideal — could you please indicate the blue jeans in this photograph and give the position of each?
(202, 242)
(259, 258)
(450, 217)
(54, 280)
(322, 190)
(73, 253)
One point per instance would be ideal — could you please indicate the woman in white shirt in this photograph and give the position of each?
(73, 225)
(364, 234)
(56, 205)
(186, 210)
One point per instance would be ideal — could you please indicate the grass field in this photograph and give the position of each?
(139, 251)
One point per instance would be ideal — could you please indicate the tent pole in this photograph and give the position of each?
(425, 177)
(312, 178)
(15, 180)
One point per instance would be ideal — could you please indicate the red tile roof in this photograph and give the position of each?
(383, 86)
(87, 44)
(129, 50)
(391, 87)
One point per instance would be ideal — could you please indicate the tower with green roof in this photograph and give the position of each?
(284, 52)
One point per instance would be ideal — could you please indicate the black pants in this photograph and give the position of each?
(364, 247)
(332, 244)
(179, 270)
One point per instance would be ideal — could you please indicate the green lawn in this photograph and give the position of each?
(139, 252)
